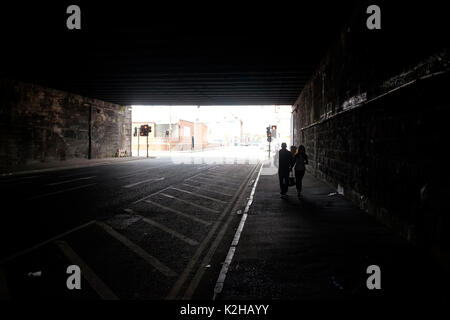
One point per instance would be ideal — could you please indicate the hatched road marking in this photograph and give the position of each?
(198, 195)
(170, 231)
(158, 265)
(206, 223)
(190, 203)
(94, 281)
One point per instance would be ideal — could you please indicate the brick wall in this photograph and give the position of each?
(375, 126)
(40, 124)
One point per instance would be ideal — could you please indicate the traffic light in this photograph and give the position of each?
(145, 130)
(142, 131)
(269, 134)
(274, 131)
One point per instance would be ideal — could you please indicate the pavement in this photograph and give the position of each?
(319, 248)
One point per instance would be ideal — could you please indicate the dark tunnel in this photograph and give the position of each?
(142, 153)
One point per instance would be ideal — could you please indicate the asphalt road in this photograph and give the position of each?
(144, 229)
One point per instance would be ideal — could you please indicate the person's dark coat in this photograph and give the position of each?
(299, 161)
(285, 160)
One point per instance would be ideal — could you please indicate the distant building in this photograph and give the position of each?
(180, 136)
(226, 132)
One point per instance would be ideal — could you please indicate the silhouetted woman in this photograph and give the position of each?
(293, 150)
(300, 160)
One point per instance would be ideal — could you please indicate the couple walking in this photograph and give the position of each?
(297, 159)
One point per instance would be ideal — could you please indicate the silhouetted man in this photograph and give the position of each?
(284, 166)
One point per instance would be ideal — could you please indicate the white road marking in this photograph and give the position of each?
(22, 178)
(213, 180)
(224, 178)
(129, 211)
(46, 242)
(159, 191)
(150, 195)
(206, 223)
(94, 281)
(68, 181)
(193, 262)
(170, 231)
(198, 195)
(143, 181)
(207, 258)
(223, 272)
(190, 203)
(60, 191)
(135, 173)
(206, 188)
(76, 174)
(212, 185)
(158, 265)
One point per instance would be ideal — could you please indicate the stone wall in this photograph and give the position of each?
(375, 127)
(40, 124)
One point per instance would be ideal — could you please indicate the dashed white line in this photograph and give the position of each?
(94, 281)
(60, 191)
(22, 178)
(76, 174)
(135, 173)
(143, 181)
(68, 181)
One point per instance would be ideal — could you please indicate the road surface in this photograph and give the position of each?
(145, 229)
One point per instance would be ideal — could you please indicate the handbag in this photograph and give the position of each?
(291, 179)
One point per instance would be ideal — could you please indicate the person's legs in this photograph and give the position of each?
(281, 178)
(284, 183)
(298, 180)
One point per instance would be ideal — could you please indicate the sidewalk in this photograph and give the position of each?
(320, 248)
(62, 165)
